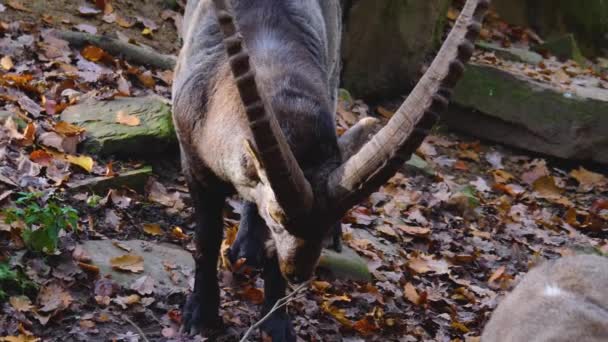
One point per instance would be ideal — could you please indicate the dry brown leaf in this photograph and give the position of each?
(17, 5)
(415, 231)
(502, 176)
(153, 229)
(388, 231)
(125, 302)
(497, 274)
(7, 63)
(253, 295)
(366, 326)
(41, 157)
(128, 262)
(588, 180)
(21, 303)
(20, 338)
(126, 119)
(93, 53)
(67, 129)
(144, 285)
(411, 294)
(320, 286)
(53, 298)
(425, 264)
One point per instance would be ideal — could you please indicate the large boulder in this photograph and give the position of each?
(503, 107)
(129, 127)
(386, 43)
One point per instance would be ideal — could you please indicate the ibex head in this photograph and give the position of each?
(301, 210)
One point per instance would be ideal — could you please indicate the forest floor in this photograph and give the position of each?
(444, 239)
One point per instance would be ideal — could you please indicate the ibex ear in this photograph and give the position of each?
(253, 156)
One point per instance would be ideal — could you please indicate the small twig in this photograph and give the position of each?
(141, 332)
(277, 306)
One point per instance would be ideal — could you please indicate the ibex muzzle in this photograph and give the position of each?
(254, 101)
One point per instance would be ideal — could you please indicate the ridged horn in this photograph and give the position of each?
(291, 189)
(381, 157)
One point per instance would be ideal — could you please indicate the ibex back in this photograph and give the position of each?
(254, 112)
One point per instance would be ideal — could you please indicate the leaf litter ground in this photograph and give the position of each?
(444, 238)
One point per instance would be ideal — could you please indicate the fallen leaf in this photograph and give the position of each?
(415, 231)
(53, 298)
(588, 180)
(412, 295)
(84, 162)
(125, 301)
(67, 129)
(153, 229)
(321, 286)
(253, 295)
(126, 119)
(425, 264)
(93, 53)
(7, 63)
(144, 285)
(41, 157)
(21, 303)
(502, 176)
(366, 326)
(387, 230)
(128, 262)
(17, 5)
(497, 274)
(337, 313)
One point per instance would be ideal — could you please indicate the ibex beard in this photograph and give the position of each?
(254, 108)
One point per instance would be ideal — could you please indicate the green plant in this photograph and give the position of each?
(42, 223)
(13, 282)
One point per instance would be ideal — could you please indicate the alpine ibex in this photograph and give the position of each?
(560, 301)
(254, 102)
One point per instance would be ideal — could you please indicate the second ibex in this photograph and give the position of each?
(254, 107)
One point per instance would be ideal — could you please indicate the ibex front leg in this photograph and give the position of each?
(201, 312)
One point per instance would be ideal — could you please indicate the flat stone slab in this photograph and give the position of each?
(497, 105)
(129, 127)
(170, 266)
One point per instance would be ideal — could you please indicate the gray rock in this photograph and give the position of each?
(564, 48)
(386, 43)
(512, 53)
(135, 180)
(154, 256)
(499, 106)
(153, 135)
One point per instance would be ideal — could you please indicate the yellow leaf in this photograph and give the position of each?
(321, 286)
(337, 313)
(20, 338)
(7, 63)
(146, 32)
(84, 162)
(128, 262)
(153, 229)
(68, 129)
(125, 119)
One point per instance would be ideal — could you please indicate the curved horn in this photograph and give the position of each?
(380, 158)
(292, 190)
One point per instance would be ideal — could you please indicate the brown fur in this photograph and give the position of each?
(560, 301)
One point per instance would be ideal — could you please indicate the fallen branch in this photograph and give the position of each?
(141, 332)
(277, 306)
(115, 47)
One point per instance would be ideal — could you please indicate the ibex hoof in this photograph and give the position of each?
(197, 319)
(278, 329)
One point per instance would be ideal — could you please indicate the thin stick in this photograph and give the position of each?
(277, 306)
(141, 332)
